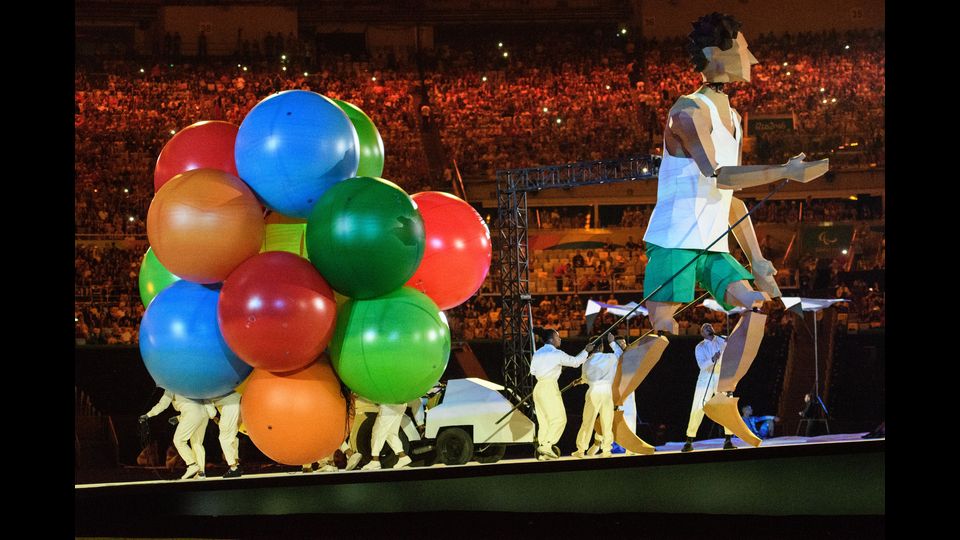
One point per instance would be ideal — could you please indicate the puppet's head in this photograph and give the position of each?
(718, 49)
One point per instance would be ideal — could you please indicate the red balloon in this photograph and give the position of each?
(457, 255)
(207, 144)
(295, 418)
(277, 312)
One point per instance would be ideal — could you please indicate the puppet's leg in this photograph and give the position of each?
(741, 349)
(634, 366)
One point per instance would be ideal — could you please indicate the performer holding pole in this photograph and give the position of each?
(687, 240)
(546, 365)
(708, 354)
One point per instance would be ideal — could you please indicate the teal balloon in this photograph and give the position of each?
(153, 277)
(371, 144)
(365, 237)
(393, 348)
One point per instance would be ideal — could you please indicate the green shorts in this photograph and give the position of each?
(713, 270)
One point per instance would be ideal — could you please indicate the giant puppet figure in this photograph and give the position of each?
(695, 206)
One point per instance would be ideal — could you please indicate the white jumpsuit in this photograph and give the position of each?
(546, 364)
(386, 428)
(190, 429)
(229, 408)
(706, 381)
(599, 371)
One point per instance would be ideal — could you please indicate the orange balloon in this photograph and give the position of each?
(203, 223)
(296, 417)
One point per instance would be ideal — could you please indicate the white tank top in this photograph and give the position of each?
(690, 211)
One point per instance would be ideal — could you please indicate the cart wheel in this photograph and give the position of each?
(454, 447)
(491, 454)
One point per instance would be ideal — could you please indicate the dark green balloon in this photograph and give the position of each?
(365, 237)
(371, 145)
(153, 277)
(393, 348)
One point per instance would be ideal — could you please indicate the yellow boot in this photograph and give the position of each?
(723, 410)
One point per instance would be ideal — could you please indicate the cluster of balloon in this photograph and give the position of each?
(344, 261)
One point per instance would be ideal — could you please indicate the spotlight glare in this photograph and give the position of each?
(505, 54)
(484, 79)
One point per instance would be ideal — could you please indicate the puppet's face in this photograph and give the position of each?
(730, 65)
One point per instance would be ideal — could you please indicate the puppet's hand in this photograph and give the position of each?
(805, 171)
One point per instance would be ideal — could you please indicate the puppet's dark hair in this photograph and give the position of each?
(713, 30)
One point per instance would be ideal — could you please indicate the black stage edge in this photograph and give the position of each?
(839, 484)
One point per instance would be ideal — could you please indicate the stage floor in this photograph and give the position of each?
(700, 447)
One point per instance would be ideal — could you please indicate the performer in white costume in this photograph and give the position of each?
(546, 365)
(386, 429)
(708, 354)
(599, 371)
(229, 408)
(191, 427)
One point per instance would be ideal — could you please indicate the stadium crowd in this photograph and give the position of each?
(549, 101)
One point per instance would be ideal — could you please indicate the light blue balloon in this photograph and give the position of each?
(292, 147)
(181, 343)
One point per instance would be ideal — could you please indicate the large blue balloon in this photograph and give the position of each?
(182, 347)
(292, 147)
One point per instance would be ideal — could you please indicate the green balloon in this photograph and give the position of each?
(393, 348)
(371, 145)
(365, 237)
(153, 277)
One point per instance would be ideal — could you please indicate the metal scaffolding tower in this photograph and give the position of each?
(512, 245)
